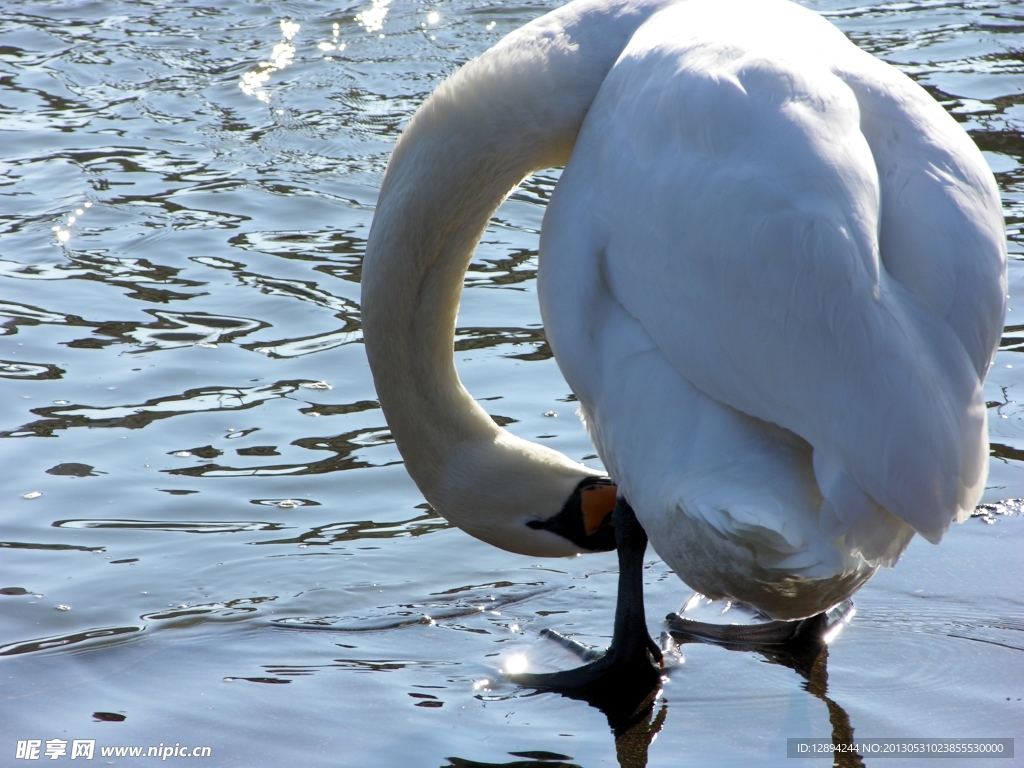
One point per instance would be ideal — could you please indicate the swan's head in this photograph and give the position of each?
(586, 517)
(525, 498)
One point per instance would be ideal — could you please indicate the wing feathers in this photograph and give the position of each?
(740, 212)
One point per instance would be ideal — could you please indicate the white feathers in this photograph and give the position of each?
(725, 205)
(773, 272)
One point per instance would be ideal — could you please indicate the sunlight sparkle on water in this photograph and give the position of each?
(335, 43)
(281, 56)
(373, 18)
(834, 631)
(515, 664)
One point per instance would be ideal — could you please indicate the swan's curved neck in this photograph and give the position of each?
(514, 110)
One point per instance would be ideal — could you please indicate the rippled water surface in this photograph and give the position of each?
(208, 537)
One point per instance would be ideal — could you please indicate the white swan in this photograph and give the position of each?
(773, 271)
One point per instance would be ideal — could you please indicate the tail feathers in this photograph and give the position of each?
(876, 535)
(852, 517)
(772, 542)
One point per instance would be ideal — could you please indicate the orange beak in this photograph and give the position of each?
(597, 503)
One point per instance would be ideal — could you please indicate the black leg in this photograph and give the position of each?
(630, 638)
(628, 660)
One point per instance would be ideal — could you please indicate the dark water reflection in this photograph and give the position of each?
(181, 354)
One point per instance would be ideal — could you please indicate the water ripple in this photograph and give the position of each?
(91, 636)
(175, 526)
(205, 399)
(473, 601)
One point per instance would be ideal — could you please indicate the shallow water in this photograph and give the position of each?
(227, 551)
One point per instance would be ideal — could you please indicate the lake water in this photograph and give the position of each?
(226, 550)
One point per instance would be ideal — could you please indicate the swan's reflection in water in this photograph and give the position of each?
(633, 736)
(636, 713)
(632, 741)
(550, 760)
(807, 655)
(817, 685)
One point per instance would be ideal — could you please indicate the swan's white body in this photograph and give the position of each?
(773, 272)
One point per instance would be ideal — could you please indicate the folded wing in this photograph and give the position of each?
(809, 239)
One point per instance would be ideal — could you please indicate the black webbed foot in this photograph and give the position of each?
(792, 634)
(748, 635)
(632, 661)
(798, 645)
(584, 652)
(610, 669)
